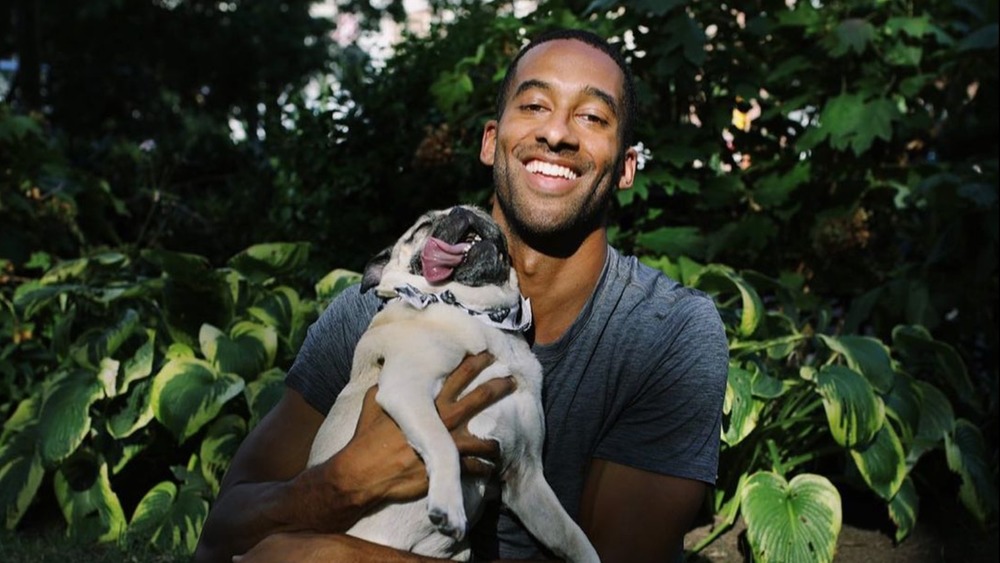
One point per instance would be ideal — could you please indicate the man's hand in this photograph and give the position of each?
(385, 463)
(268, 489)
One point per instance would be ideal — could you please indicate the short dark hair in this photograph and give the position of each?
(596, 41)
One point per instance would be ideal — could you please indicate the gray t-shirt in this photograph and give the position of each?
(638, 379)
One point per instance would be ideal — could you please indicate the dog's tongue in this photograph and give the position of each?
(440, 258)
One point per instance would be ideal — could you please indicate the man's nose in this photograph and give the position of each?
(558, 131)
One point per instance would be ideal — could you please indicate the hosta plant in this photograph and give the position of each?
(147, 373)
(810, 412)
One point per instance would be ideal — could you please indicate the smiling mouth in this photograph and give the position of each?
(551, 170)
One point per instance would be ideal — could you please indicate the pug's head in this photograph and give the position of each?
(460, 249)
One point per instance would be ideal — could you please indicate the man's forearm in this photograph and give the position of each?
(248, 512)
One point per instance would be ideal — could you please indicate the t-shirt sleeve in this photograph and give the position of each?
(672, 422)
(323, 365)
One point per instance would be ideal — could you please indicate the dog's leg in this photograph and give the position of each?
(527, 493)
(408, 397)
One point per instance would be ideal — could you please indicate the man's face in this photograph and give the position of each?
(555, 150)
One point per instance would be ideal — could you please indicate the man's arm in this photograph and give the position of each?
(268, 489)
(632, 515)
(259, 494)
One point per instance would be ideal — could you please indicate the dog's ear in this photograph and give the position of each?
(373, 269)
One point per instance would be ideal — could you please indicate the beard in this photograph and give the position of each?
(560, 231)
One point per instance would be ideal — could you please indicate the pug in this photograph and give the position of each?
(449, 291)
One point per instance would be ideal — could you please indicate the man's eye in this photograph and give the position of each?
(593, 118)
(532, 107)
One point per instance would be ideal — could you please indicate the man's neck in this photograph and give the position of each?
(558, 287)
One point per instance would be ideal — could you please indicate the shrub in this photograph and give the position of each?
(139, 366)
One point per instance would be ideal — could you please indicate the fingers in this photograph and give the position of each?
(475, 401)
(370, 410)
(469, 445)
(466, 371)
(477, 467)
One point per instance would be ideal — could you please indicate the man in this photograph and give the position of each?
(635, 365)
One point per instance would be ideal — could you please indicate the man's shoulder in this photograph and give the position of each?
(652, 287)
(352, 305)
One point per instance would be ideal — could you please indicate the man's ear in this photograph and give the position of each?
(629, 165)
(489, 144)
(373, 269)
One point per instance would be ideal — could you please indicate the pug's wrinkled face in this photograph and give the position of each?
(461, 244)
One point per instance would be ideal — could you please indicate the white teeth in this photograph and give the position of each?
(549, 169)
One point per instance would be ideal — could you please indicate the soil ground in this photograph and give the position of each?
(942, 534)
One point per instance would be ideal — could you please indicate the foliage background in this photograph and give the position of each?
(839, 159)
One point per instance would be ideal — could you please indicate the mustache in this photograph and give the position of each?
(539, 149)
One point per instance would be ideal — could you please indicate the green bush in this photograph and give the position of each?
(809, 413)
(143, 365)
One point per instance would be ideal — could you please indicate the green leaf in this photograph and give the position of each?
(741, 406)
(279, 308)
(208, 338)
(218, 447)
(66, 270)
(775, 189)
(189, 393)
(451, 90)
(849, 121)
(765, 386)
(936, 360)
(673, 241)
(92, 510)
(21, 473)
(262, 262)
(789, 68)
(186, 268)
(263, 393)
(791, 521)
(715, 279)
(248, 350)
(334, 282)
(32, 297)
(882, 463)
(17, 127)
(900, 54)
(913, 27)
(967, 456)
(853, 409)
(24, 416)
(105, 343)
(64, 419)
(852, 34)
(171, 518)
(684, 269)
(937, 417)
(134, 414)
(140, 365)
(865, 355)
(902, 403)
(904, 508)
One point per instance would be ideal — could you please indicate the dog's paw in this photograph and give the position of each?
(451, 527)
